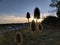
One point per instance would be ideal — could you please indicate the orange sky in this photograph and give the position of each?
(16, 19)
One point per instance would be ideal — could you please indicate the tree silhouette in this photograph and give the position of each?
(56, 3)
(37, 13)
(58, 14)
(58, 10)
(50, 20)
(28, 16)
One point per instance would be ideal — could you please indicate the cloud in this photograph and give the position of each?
(44, 15)
(12, 19)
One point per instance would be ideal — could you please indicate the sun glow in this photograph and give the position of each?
(38, 20)
(15, 19)
(35, 20)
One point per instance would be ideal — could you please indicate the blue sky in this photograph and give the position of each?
(19, 8)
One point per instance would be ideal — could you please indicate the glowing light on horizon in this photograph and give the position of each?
(40, 20)
(15, 19)
(35, 20)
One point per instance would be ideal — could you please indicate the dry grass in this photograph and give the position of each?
(46, 37)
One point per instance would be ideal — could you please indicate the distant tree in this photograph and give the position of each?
(37, 13)
(28, 16)
(58, 10)
(58, 14)
(50, 20)
(53, 3)
(56, 3)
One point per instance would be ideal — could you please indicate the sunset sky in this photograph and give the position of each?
(14, 11)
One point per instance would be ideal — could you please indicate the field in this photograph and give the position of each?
(44, 37)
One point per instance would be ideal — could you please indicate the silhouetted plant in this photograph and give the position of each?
(33, 26)
(19, 39)
(49, 21)
(40, 28)
(58, 5)
(55, 3)
(58, 14)
(28, 16)
(37, 13)
(58, 10)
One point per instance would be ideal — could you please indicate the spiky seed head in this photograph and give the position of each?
(40, 27)
(33, 26)
(28, 15)
(37, 13)
(19, 38)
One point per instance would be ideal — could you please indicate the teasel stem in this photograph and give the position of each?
(33, 38)
(33, 29)
(40, 27)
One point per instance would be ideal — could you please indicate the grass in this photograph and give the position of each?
(46, 37)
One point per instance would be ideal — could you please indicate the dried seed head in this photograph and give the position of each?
(36, 13)
(40, 28)
(18, 38)
(33, 26)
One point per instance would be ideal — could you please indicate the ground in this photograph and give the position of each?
(44, 37)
